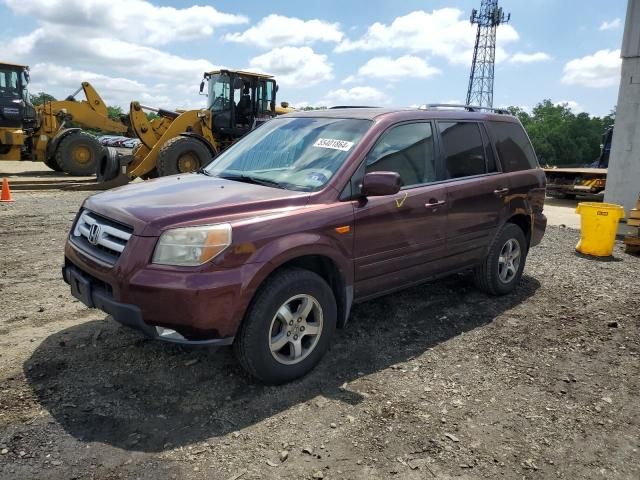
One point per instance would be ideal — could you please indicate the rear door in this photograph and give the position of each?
(476, 191)
(522, 171)
(400, 239)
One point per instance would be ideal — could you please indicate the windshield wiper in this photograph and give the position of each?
(255, 180)
(203, 170)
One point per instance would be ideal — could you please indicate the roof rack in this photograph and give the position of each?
(468, 108)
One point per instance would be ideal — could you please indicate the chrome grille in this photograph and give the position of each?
(100, 237)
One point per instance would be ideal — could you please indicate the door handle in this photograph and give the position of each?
(433, 203)
(500, 191)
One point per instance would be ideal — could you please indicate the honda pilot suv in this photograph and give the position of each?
(270, 245)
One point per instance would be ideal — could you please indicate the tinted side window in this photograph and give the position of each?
(463, 148)
(406, 149)
(513, 146)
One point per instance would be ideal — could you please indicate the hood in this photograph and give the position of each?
(191, 199)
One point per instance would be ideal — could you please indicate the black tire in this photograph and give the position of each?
(487, 275)
(52, 163)
(182, 155)
(252, 344)
(78, 154)
(108, 165)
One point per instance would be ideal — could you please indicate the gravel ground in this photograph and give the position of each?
(439, 381)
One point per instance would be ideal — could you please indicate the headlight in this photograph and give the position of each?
(192, 246)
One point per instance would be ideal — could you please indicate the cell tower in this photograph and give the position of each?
(480, 90)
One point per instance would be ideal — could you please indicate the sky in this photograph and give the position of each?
(322, 53)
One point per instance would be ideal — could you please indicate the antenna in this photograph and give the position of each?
(480, 91)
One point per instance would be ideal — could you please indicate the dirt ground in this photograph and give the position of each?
(439, 381)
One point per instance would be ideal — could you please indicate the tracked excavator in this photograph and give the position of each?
(51, 132)
(184, 141)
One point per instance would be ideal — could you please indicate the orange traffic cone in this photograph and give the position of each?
(6, 191)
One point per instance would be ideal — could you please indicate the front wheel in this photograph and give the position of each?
(288, 327)
(501, 270)
(78, 154)
(182, 155)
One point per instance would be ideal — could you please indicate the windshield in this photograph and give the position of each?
(219, 93)
(293, 153)
(9, 84)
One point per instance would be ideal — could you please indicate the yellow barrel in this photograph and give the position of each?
(598, 227)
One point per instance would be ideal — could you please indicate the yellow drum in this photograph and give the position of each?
(598, 227)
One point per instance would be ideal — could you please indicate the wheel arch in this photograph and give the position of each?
(523, 221)
(323, 263)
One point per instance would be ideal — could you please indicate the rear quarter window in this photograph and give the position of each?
(513, 146)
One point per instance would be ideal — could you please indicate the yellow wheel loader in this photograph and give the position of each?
(47, 133)
(185, 141)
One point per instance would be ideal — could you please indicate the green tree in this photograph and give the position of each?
(41, 97)
(561, 137)
(114, 113)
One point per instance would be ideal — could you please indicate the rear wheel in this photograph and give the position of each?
(288, 327)
(502, 268)
(182, 155)
(78, 154)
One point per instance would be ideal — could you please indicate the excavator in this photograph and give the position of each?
(51, 132)
(183, 141)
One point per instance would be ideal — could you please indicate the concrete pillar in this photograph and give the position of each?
(623, 177)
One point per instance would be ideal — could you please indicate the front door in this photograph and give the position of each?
(400, 239)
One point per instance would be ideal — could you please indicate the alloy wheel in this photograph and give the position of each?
(509, 260)
(295, 329)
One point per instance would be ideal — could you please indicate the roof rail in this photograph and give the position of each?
(352, 106)
(468, 108)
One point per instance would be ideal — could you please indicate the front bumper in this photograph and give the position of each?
(94, 294)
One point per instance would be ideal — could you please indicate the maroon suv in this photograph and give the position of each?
(269, 246)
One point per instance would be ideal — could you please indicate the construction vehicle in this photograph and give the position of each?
(184, 141)
(51, 132)
(589, 180)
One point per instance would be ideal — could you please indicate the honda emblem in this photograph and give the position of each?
(95, 232)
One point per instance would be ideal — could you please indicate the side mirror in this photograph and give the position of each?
(379, 184)
(201, 87)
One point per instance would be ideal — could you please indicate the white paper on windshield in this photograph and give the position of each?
(333, 144)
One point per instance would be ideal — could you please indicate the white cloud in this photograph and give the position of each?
(407, 66)
(355, 96)
(350, 79)
(610, 25)
(295, 66)
(277, 31)
(75, 37)
(602, 69)
(572, 105)
(61, 81)
(521, 57)
(111, 42)
(444, 32)
(133, 20)
(45, 44)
